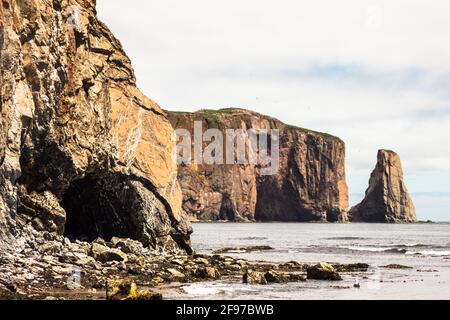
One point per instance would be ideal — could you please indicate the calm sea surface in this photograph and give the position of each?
(423, 247)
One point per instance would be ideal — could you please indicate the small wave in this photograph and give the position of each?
(236, 251)
(369, 249)
(199, 290)
(346, 238)
(251, 238)
(207, 289)
(376, 249)
(397, 250)
(414, 245)
(431, 253)
(401, 249)
(243, 249)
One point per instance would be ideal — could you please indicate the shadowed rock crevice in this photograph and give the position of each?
(277, 202)
(114, 205)
(228, 209)
(333, 215)
(92, 212)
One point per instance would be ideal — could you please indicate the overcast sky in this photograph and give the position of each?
(374, 73)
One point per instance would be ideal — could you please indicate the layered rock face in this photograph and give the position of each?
(387, 198)
(83, 153)
(309, 185)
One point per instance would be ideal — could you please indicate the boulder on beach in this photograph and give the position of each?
(105, 254)
(322, 271)
(128, 290)
(254, 277)
(207, 273)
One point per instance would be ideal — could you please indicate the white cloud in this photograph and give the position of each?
(197, 32)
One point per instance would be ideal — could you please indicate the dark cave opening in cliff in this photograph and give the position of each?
(333, 216)
(93, 211)
(227, 208)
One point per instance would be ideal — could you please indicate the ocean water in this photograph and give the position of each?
(423, 247)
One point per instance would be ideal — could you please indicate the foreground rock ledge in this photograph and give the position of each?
(387, 198)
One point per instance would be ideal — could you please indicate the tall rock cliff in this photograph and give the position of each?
(83, 153)
(309, 185)
(387, 198)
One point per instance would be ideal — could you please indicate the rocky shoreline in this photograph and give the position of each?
(124, 269)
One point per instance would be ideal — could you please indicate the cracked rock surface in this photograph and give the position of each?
(83, 153)
(309, 185)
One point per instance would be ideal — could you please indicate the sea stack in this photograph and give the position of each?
(387, 198)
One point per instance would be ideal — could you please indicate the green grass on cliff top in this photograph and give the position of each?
(212, 115)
